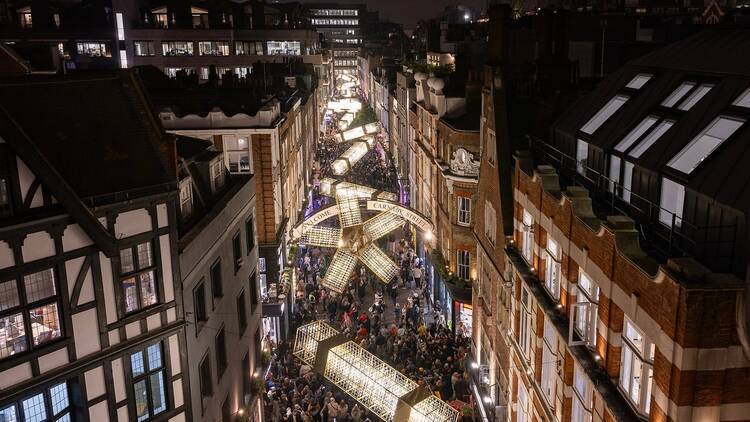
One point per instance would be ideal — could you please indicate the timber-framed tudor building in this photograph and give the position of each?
(91, 320)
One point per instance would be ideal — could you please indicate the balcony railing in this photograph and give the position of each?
(713, 245)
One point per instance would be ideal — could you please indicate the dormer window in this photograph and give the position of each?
(160, 17)
(24, 17)
(200, 18)
(217, 175)
(186, 199)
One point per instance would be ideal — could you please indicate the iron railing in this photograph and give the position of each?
(713, 245)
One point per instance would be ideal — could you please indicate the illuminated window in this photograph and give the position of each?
(672, 200)
(695, 96)
(703, 145)
(549, 361)
(177, 48)
(463, 264)
(552, 267)
(213, 48)
(31, 302)
(24, 17)
(143, 48)
(639, 80)
(93, 49)
(678, 94)
(138, 277)
(604, 114)
(524, 327)
(743, 100)
(582, 397)
(464, 211)
(651, 138)
(636, 368)
(636, 133)
(527, 237)
(200, 18)
(586, 308)
(149, 382)
(217, 170)
(290, 48)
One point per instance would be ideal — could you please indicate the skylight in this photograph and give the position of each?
(743, 100)
(652, 137)
(639, 80)
(604, 114)
(695, 96)
(677, 94)
(705, 143)
(636, 133)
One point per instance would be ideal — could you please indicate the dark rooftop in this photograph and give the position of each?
(96, 130)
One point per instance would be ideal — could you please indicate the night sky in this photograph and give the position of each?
(408, 12)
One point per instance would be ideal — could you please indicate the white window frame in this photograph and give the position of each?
(549, 363)
(463, 264)
(585, 311)
(552, 268)
(581, 410)
(636, 365)
(524, 323)
(463, 205)
(527, 237)
(216, 170)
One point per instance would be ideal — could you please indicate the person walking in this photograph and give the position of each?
(418, 276)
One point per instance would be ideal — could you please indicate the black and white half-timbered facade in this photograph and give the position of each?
(91, 318)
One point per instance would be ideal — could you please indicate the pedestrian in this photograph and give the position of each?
(418, 276)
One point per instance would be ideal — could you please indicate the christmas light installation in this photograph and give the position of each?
(379, 387)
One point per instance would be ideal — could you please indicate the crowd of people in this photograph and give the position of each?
(396, 321)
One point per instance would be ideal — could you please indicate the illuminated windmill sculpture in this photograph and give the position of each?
(354, 240)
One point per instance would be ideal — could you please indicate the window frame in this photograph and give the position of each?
(250, 234)
(205, 386)
(135, 275)
(151, 51)
(200, 287)
(583, 399)
(552, 260)
(643, 403)
(524, 323)
(47, 400)
(186, 204)
(146, 377)
(591, 126)
(217, 283)
(463, 264)
(548, 382)
(590, 307)
(237, 252)
(242, 321)
(527, 237)
(463, 211)
(24, 307)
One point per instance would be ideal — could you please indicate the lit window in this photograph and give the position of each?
(678, 94)
(672, 200)
(143, 48)
(583, 397)
(614, 172)
(464, 263)
(527, 240)
(200, 18)
(639, 80)
(464, 211)
(24, 17)
(177, 48)
(51, 404)
(93, 49)
(651, 138)
(549, 361)
(524, 327)
(213, 48)
(138, 277)
(743, 100)
(148, 379)
(552, 267)
(237, 152)
(30, 302)
(705, 143)
(636, 368)
(586, 309)
(248, 48)
(604, 114)
(289, 48)
(695, 96)
(636, 133)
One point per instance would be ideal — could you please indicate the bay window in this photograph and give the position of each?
(138, 277)
(527, 240)
(29, 312)
(552, 257)
(148, 380)
(585, 310)
(636, 368)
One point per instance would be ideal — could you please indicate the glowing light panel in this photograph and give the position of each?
(382, 224)
(379, 263)
(326, 237)
(349, 214)
(432, 409)
(337, 275)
